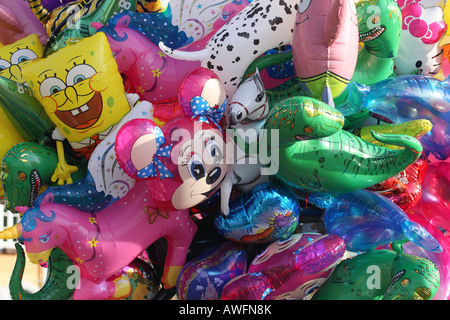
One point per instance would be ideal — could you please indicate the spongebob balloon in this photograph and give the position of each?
(15, 56)
(82, 92)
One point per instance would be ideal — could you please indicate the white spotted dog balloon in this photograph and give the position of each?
(259, 27)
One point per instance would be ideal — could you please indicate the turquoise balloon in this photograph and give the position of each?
(365, 220)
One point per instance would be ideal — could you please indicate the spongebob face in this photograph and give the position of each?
(80, 88)
(15, 56)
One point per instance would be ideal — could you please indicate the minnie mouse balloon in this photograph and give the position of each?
(185, 158)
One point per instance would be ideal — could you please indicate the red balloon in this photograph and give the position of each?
(434, 206)
(405, 188)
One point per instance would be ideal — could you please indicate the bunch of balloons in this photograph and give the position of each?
(232, 150)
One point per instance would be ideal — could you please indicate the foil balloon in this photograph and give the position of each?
(404, 189)
(149, 72)
(27, 169)
(204, 277)
(61, 17)
(178, 27)
(288, 269)
(434, 206)
(17, 55)
(325, 46)
(275, 65)
(55, 286)
(199, 22)
(24, 111)
(52, 4)
(379, 31)
(164, 191)
(82, 26)
(440, 259)
(414, 128)
(224, 54)
(136, 281)
(82, 92)
(187, 171)
(9, 137)
(17, 21)
(366, 220)
(264, 214)
(406, 98)
(381, 275)
(99, 244)
(104, 181)
(422, 29)
(324, 158)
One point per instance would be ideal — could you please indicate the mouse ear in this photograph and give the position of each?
(138, 144)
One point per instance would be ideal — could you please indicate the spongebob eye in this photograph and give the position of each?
(303, 5)
(23, 55)
(4, 64)
(79, 73)
(51, 86)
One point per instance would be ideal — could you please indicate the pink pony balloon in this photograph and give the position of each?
(434, 206)
(18, 21)
(325, 46)
(147, 70)
(102, 244)
(288, 269)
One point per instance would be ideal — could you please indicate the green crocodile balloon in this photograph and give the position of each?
(56, 285)
(25, 169)
(381, 275)
(380, 27)
(324, 158)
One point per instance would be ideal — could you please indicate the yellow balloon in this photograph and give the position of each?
(81, 91)
(14, 57)
(413, 128)
(447, 16)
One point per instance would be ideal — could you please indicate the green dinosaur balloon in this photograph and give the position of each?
(381, 275)
(57, 285)
(24, 111)
(324, 158)
(380, 26)
(25, 169)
